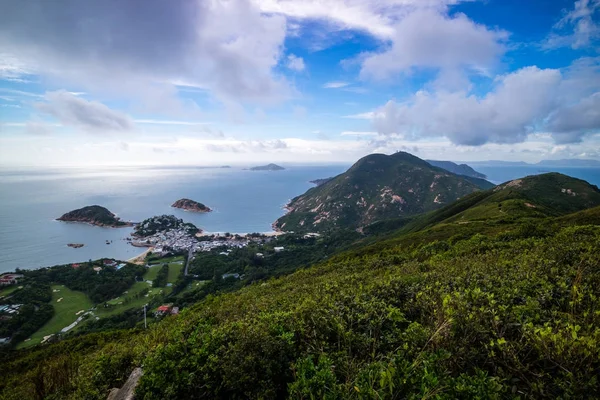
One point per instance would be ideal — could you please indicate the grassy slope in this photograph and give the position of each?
(474, 317)
(64, 312)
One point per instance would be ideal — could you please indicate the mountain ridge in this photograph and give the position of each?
(376, 187)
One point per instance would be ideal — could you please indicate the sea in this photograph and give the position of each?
(243, 201)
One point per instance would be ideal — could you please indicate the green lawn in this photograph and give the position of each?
(64, 312)
(8, 290)
(173, 259)
(132, 300)
(174, 271)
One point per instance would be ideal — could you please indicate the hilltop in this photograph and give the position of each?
(190, 205)
(95, 215)
(377, 187)
(458, 169)
(268, 167)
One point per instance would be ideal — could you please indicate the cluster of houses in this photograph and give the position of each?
(10, 309)
(10, 279)
(166, 309)
(175, 239)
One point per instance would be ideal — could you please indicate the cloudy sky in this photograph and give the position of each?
(303, 81)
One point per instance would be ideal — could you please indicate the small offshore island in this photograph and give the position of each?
(94, 215)
(191, 205)
(268, 167)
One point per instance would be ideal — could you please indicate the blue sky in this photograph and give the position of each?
(299, 81)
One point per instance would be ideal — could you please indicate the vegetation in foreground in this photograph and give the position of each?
(512, 313)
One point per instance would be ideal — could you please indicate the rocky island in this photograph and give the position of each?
(191, 205)
(268, 167)
(94, 215)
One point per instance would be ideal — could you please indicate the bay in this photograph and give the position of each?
(30, 201)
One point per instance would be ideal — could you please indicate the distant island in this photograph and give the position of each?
(458, 169)
(75, 245)
(268, 167)
(94, 215)
(191, 205)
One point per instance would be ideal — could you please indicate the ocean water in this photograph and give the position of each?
(243, 201)
(31, 200)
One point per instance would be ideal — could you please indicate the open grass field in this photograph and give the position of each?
(133, 299)
(174, 271)
(64, 312)
(8, 290)
(173, 259)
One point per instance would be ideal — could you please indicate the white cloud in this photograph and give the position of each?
(360, 134)
(227, 47)
(526, 101)
(580, 20)
(374, 17)
(335, 85)
(569, 124)
(504, 115)
(169, 122)
(369, 115)
(295, 63)
(13, 69)
(91, 116)
(430, 39)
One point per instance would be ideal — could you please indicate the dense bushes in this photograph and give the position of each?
(515, 315)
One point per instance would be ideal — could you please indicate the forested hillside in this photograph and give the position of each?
(509, 311)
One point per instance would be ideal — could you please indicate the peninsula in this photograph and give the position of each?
(191, 205)
(268, 167)
(94, 215)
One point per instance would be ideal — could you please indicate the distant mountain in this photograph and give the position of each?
(95, 215)
(268, 167)
(376, 187)
(571, 162)
(499, 163)
(458, 169)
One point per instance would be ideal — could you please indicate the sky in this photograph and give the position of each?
(214, 82)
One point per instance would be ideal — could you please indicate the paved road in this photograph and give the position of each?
(189, 259)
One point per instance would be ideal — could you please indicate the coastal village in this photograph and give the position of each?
(171, 243)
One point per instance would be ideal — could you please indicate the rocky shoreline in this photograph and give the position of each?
(95, 215)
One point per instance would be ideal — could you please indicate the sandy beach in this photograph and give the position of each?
(139, 259)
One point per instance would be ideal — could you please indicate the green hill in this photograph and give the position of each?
(502, 315)
(377, 187)
(535, 196)
(95, 215)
